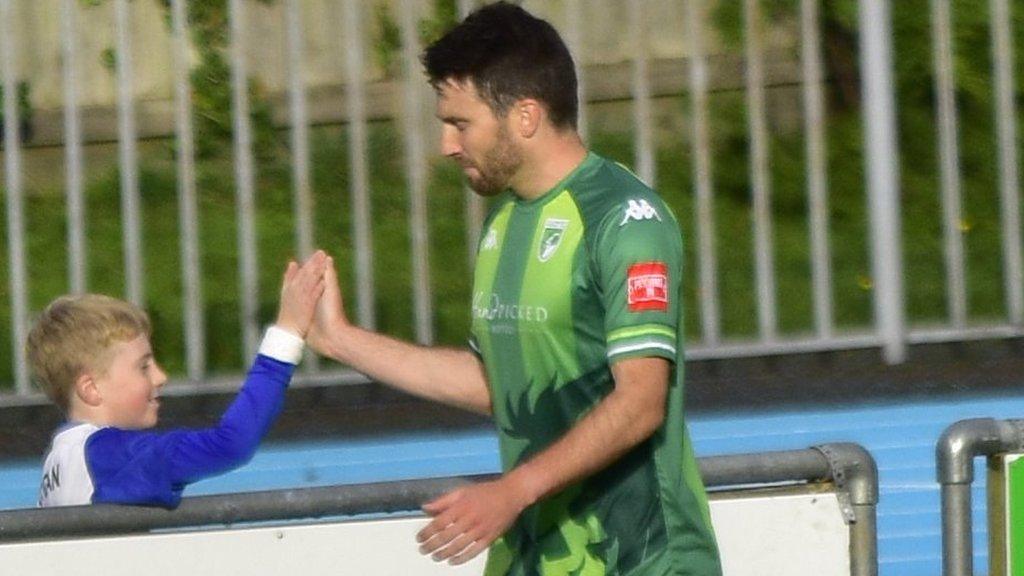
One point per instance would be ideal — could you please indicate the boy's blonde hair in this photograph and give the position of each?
(74, 334)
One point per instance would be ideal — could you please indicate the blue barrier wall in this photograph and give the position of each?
(900, 436)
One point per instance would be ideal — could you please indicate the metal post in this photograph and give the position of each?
(129, 157)
(641, 89)
(949, 163)
(817, 185)
(707, 260)
(760, 174)
(301, 187)
(955, 451)
(574, 38)
(245, 180)
(417, 171)
(77, 269)
(474, 203)
(1009, 178)
(14, 193)
(882, 158)
(188, 214)
(360, 184)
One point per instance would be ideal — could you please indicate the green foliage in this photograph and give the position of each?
(388, 43)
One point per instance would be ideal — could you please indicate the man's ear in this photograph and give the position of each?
(527, 115)
(87, 390)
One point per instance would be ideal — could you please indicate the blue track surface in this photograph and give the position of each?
(901, 438)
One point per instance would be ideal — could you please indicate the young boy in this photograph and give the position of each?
(91, 355)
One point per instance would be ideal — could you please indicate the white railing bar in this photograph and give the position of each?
(301, 187)
(195, 330)
(782, 346)
(245, 180)
(641, 89)
(949, 162)
(574, 39)
(760, 174)
(300, 131)
(417, 171)
(1009, 177)
(817, 179)
(129, 156)
(474, 203)
(882, 169)
(15, 192)
(77, 269)
(707, 260)
(358, 162)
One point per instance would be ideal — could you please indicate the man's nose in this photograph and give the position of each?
(450, 142)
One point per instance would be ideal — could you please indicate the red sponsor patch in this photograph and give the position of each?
(647, 286)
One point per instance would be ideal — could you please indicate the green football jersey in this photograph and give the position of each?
(566, 285)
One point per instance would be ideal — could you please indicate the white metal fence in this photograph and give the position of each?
(891, 330)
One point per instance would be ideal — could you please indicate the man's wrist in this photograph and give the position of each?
(525, 484)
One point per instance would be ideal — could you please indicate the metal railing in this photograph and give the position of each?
(847, 467)
(891, 330)
(955, 452)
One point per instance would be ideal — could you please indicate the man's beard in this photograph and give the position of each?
(497, 167)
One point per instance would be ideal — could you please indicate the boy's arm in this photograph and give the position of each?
(152, 468)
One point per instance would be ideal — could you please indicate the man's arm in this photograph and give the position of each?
(469, 519)
(451, 376)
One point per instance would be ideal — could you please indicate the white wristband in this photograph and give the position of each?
(282, 345)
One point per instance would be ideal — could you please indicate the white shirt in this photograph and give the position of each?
(66, 480)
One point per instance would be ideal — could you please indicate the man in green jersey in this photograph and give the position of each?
(576, 323)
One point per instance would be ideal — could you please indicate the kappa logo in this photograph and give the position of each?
(551, 238)
(639, 210)
(491, 240)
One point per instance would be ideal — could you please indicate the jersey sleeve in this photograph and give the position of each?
(638, 262)
(152, 468)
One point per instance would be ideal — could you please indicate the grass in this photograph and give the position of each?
(611, 135)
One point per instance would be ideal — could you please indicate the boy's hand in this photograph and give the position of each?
(300, 291)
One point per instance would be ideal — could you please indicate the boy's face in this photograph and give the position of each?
(130, 386)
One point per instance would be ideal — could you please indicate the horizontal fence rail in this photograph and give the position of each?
(289, 60)
(847, 466)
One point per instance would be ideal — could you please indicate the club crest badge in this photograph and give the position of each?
(551, 238)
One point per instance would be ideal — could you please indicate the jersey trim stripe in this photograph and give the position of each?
(642, 330)
(627, 348)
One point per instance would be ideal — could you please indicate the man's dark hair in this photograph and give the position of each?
(508, 54)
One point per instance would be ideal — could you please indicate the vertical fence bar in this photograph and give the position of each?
(299, 132)
(574, 39)
(882, 158)
(1009, 177)
(301, 187)
(73, 149)
(949, 162)
(188, 214)
(817, 184)
(129, 156)
(245, 179)
(759, 172)
(360, 185)
(641, 89)
(417, 170)
(15, 213)
(474, 203)
(707, 260)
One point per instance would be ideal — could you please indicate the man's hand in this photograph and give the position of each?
(467, 520)
(300, 291)
(330, 311)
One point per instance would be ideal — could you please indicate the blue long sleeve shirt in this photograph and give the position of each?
(87, 463)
